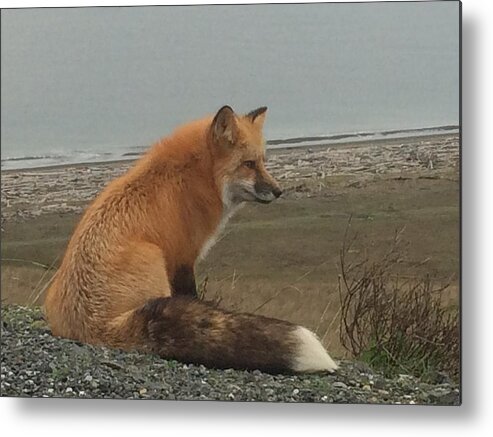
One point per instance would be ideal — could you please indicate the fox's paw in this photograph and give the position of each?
(311, 356)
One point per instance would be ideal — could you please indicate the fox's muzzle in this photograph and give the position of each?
(266, 189)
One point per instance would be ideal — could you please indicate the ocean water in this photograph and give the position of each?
(130, 153)
(95, 84)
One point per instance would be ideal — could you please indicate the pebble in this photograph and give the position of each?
(83, 371)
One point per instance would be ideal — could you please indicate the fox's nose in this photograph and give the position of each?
(277, 192)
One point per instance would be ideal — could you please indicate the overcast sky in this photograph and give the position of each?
(98, 77)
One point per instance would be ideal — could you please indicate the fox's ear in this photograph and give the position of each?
(225, 127)
(257, 116)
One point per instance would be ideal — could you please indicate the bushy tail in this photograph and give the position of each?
(192, 331)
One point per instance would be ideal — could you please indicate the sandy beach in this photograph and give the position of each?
(281, 259)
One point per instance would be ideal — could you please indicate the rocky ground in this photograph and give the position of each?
(36, 364)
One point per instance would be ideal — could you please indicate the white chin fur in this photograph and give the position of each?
(311, 356)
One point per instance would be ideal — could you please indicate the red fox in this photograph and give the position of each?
(127, 277)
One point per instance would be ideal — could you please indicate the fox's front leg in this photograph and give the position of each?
(183, 283)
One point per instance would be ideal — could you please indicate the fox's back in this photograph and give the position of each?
(129, 237)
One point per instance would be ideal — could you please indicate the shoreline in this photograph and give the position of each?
(316, 146)
(69, 187)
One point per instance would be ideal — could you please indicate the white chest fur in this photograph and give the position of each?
(227, 214)
(229, 208)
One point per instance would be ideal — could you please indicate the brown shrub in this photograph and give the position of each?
(396, 324)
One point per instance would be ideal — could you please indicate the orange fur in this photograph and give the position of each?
(126, 279)
(149, 222)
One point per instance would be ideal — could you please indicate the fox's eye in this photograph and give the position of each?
(249, 164)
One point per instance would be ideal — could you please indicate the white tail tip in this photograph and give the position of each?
(311, 355)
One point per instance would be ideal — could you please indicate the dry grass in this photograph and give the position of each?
(396, 324)
(281, 260)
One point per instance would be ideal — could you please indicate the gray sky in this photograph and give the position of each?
(104, 77)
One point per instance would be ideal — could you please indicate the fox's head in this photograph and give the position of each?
(239, 157)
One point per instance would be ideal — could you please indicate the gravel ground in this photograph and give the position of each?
(36, 364)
